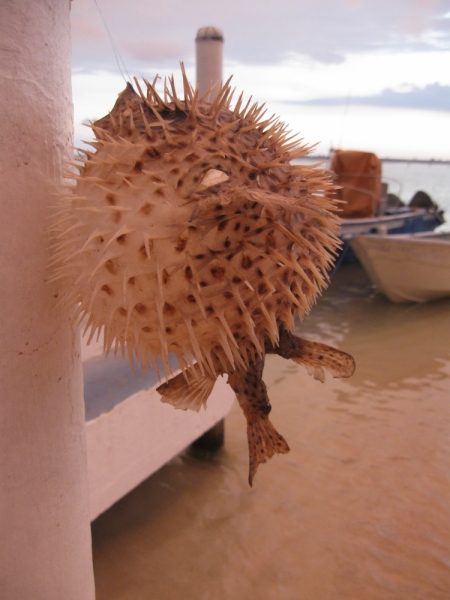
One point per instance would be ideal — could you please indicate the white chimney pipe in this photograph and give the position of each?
(209, 57)
(45, 544)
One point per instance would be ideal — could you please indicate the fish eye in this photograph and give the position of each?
(214, 177)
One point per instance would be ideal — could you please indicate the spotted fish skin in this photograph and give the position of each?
(251, 392)
(247, 383)
(189, 229)
(190, 232)
(315, 356)
(264, 441)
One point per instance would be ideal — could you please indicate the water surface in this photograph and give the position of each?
(359, 509)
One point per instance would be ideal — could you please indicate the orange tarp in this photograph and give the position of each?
(359, 176)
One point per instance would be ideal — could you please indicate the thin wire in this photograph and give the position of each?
(114, 47)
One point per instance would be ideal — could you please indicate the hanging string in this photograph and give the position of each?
(114, 47)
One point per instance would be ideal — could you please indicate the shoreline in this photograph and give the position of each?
(431, 161)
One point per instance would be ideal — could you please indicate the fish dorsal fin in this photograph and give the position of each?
(316, 357)
(189, 390)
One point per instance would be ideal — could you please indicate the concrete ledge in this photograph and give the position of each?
(130, 433)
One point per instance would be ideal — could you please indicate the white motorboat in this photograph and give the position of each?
(365, 208)
(406, 268)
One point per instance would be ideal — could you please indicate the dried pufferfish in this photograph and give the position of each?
(189, 232)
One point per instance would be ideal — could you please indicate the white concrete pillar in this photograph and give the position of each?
(209, 60)
(45, 544)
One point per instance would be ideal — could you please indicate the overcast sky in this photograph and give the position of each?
(361, 74)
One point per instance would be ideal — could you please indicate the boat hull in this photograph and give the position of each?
(406, 268)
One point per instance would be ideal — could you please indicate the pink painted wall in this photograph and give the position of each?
(45, 546)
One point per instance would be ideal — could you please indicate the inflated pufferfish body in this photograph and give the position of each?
(189, 232)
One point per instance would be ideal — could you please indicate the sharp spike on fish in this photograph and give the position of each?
(238, 105)
(216, 272)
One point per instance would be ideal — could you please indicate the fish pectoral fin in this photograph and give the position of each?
(263, 442)
(316, 372)
(189, 390)
(316, 357)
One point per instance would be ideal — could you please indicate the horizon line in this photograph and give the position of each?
(441, 161)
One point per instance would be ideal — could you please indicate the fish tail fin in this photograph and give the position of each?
(263, 442)
(188, 390)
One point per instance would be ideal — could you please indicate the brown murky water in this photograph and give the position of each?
(360, 508)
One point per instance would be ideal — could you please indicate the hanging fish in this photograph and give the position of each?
(187, 230)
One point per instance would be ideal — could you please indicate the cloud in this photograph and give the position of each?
(416, 20)
(155, 51)
(256, 32)
(429, 97)
(84, 29)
